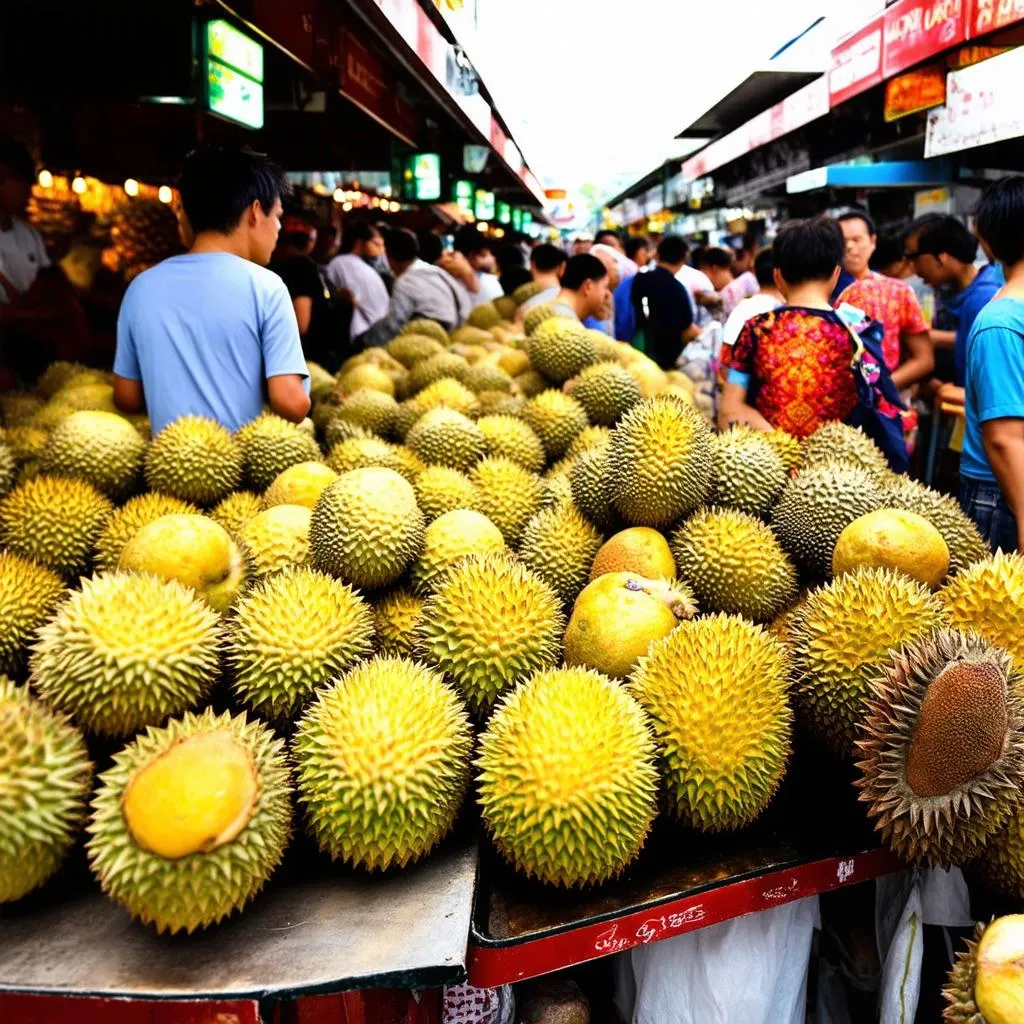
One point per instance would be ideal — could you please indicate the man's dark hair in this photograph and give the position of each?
(580, 268)
(1000, 219)
(353, 234)
(889, 250)
(607, 233)
(468, 240)
(635, 243)
(547, 258)
(672, 249)
(431, 246)
(715, 257)
(859, 215)
(17, 159)
(401, 245)
(764, 267)
(808, 250)
(219, 184)
(510, 257)
(947, 235)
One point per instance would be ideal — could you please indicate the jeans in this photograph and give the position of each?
(983, 502)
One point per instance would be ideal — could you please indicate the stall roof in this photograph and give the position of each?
(890, 174)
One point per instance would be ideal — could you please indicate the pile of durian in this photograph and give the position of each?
(516, 570)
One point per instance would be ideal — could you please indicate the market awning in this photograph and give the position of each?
(890, 174)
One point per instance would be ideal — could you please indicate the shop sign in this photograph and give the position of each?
(421, 177)
(982, 106)
(362, 76)
(290, 25)
(856, 63)
(968, 55)
(483, 205)
(990, 15)
(504, 213)
(234, 74)
(803, 107)
(914, 91)
(517, 219)
(462, 195)
(918, 29)
(933, 200)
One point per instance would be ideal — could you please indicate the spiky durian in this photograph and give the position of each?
(749, 472)
(8, 467)
(568, 787)
(716, 691)
(440, 489)
(429, 328)
(47, 776)
(366, 528)
(988, 598)
(444, 364)
(510, 438)
(54, 521)
(531, 383)
(942, 747)
(560, 348)
(449, 393)
(382, 762)
(540, 314)
(29, 594)
(489, 625)
(270, 444)
(190, 820)
(660, 462)
(559, 545)
(194, 459)
(410, 349)
(556, 418)
(842, 638)
(839, 444)
(361, 452)
(487, 377)
(985, 984)
(606, 391)
(395, 618)
(99, 447)
(373, 410)
(588, 439)
(787, 446)
(507, 494)
(236, 510)
(277, 537)
(126, 521)
(591, 489)
(447, 438)
(301, 484)
(526, 291)
(448, 539)
(125, 651)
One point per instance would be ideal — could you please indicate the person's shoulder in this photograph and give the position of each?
(1001, 315)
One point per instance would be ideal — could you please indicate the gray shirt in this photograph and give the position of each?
(422, 291)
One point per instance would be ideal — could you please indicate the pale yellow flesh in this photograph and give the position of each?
(999, 986)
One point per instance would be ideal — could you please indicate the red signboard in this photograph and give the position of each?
(990, 15)
(364, 80)
(856, 63)
(917, 90)
(915, 30)
(289, 25)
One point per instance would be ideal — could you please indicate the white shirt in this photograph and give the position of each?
(744, 311)
(490, 288)
(22, 256)
(696, 282)
(355, 275)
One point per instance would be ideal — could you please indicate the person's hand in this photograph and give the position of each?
(952, 394)
(458, 266)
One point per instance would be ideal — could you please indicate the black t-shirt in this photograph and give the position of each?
(326, 339)
(664, 315)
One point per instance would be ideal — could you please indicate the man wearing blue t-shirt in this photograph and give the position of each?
(213, 332)
(992, 464)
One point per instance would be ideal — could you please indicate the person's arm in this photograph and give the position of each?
(733, 407)
(128, 395)
(401, 309)
(303, 306)
(286, 393)
(919, 363)
(456, 265)
(943, 339)
(284, 365)
(1004, 449)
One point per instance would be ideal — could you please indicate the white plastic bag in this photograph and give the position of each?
(901, 968)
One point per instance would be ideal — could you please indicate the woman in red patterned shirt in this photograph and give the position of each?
(791, 368)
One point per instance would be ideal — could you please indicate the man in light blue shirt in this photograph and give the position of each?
(213, 332)
(992, 463)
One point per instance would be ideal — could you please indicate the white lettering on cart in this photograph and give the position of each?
(780, 892)
(845, 871)
(653, 929)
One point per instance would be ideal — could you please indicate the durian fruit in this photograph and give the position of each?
(749, 472)
(47, 777)
(842, 639)
(366, 528)
(507, 494)
(428, 328)
(194, 550)
(270, 444)
(126, 521)
(559, 545)
(617, 617)
(99, 447)
(816, 506)
(449, 393)
(301, 484)
(965, 543)
(787, 446)
(363, 376)
(444, 364)
(557, 490)
(715, 690)
(410, 349)
(194, 459)
(539, 314)
(526, 291)
(556, 419)
(18, 407)
(97, 396)
(531, 383)
(126, 651)
(560, 348)
(988, 599)
(440, 489)
(291, 634)
(445, 437)
(449, 538)
(660, 462)
(278, 536)
(191, 819)
(487, 377)
(320, 381)
(336, 430)
(590, 488)
(942, 747)
(567, 782)
(489, 625)
(29, 594)
(509, 437)
(986, 984)
(54, 521)
(236, 510)
(395, 618)
(382, 761)
(639, 550)
(373, 410)
(498, 403)
(839, 444)
(588, 439)
(895, 539)
(606, 391)
(25, 444)
(484, 316)
(8, 467)
(734, 564)
(361, 452)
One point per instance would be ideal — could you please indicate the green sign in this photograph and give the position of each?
(462, 195)
(517, 218)
(423, 177)
(527, 219)
(483, 208)
(234, 74)
(504, 213)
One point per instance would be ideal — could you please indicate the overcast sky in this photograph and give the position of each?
(594, 91)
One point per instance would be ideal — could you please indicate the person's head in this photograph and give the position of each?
(999, 220)
(860, 238)
(431, 246)
(941, 250)
(474, 245)
(808, 252)
(587, 277)
(744, 254)
(510, 257)
(298, 235)
(609, 237)
(235, 193)
(889, 258)
(17, 173)
(638, 249)
(581, 245)
(362, 239)
(611, 258)
(717, 264)
(547, 259)
(402, 248)
(672, 252)
(764, 269)
(328, 241)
